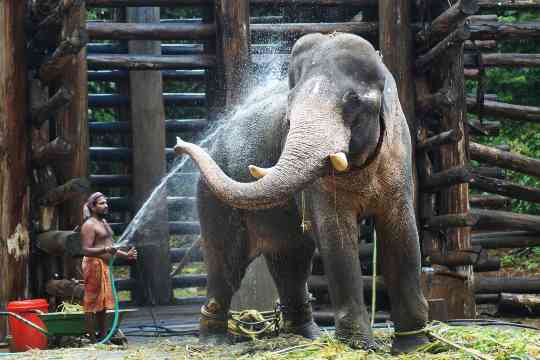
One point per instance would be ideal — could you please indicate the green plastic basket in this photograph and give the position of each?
(74, 323)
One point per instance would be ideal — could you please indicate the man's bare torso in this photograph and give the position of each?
(102, 235)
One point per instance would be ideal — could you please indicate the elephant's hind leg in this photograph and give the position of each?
(399, 257)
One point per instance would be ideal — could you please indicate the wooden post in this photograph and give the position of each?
(455, 200)
(72, 126)
(14, 159)
(232, 49)
(148, 135)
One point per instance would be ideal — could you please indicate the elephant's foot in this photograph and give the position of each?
(403, 344)
(356, 337)
(299, 320)
(213, 324)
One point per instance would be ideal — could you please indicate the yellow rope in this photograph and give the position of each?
(245, 323)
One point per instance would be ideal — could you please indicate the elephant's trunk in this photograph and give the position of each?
(312, 138)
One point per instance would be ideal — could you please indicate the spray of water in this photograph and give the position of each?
(262, 81)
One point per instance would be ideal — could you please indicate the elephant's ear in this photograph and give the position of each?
(390, 107)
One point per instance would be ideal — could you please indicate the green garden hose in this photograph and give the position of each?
(114, 326)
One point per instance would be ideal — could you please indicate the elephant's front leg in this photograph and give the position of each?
(336, 230)
(400, 261)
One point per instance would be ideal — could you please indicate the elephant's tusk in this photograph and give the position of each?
(339, 161)
(257, 172)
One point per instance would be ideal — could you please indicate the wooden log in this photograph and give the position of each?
(133, 3)
(56, 16)
(486, 298)
(485, 30)
(365, 29)
(149, 163)
(446, 137)
(123, 127)
(519, 304)
(69, 190)
(120, 75)
(487, 263)
(504, 220)
(113, 100)
(484, 128)
(56, 150)
(506, 239)
(14, 162)
(454, 258)
(233, 43)
(54, 66)
(58, 101)
(493, 172)
(510, 60)
(442, 99)
(362, 3)
(509, 4)
(149, 62)
(166, 49)
(504, 159)
(505, 188)
(446, 23)
(493, 202)
(507, 111)
(424, 62)
(517, 285)
(480, 45)
(72, 291)
(446, 178)
(396, 47)
(442, 222)
(149, 31)
(58, 243)
(110, 180)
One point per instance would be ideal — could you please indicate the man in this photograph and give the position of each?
(97, 245)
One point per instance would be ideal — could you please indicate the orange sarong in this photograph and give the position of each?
(97, 285)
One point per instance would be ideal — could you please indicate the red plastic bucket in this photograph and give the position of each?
(24, 336)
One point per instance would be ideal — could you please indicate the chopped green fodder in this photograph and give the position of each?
(449, 342)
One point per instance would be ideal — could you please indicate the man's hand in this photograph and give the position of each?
(110, 250)
(132, 254)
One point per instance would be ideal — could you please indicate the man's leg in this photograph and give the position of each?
(102, 331)
(91, 326)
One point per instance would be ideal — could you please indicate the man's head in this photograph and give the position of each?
(96, 205)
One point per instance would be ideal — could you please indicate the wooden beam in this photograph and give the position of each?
(123, 127)
(480, 45)
(442, 222)
(510, 60)
(446, 23)
(446, 137)
(110, 180)
(149, 31)
(55, 65)
(493, 202)
(149, 163)
(149, 62)
(362, 3)
(133, 3)
(114, 100)
(442, 99)
(506, 239)
(57, 102)
(424, 62)
(56, 150)
(493, 172)
(120, 75)
(56, 16)
(517, 285)
(14, 162)
(505, 188)
(166, 49)
(446, 178)
(485, 30)
(509, 4)
(519, 304)
(504, 159)
(504, 110)
(504, 220)
(298, 29)
(69, 190)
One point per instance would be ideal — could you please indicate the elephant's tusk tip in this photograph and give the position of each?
(339, 161)
(179, 146)
(257, 172)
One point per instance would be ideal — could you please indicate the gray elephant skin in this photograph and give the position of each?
(328, 148)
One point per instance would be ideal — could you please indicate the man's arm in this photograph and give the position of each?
(88, 237)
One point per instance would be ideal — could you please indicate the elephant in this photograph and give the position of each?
(294, 172)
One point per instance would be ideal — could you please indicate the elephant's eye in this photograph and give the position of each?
(362, 105)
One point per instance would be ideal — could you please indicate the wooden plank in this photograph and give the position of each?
(149, 166)
(149, 31)
(14, 145)
(149, 62)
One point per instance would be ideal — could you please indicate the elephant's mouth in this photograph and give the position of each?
(354, 166)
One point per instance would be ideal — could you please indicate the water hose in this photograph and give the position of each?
(114, 326)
